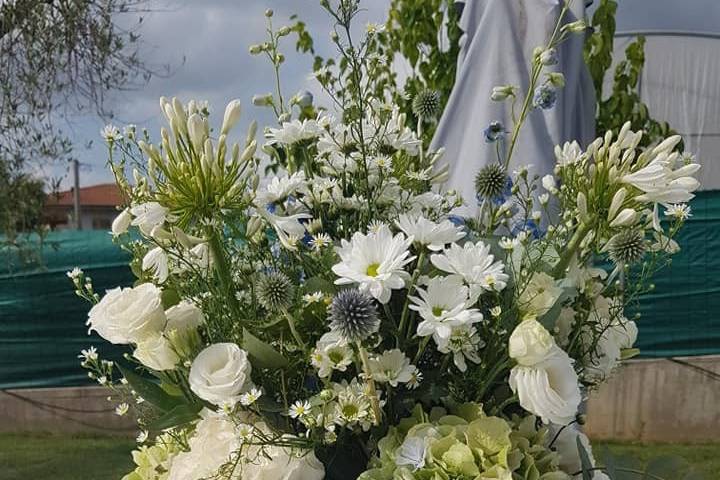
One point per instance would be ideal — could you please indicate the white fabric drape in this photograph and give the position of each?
(496, 49)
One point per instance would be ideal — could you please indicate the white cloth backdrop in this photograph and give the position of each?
(496, 49)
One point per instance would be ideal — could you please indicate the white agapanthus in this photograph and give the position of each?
(443, 305)
(392, 367)
(121, 223)
(539, 295)
(331, 353)
(474, 263)
(279, 188)
(568, 154)
(661, 180)
(156, 262)
(463, 343)
(544, 379)
(294, 131)
(375, 262)
(149, 215)
(128, 315)
(220, 374)
(288, 228)
(428, 233)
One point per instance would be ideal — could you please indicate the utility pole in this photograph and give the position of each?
(76, 193)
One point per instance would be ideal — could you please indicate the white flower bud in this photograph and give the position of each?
(196, 131)
(616, 203)
(582, 206)
(625, 218)
(121, 223)
(232, 115)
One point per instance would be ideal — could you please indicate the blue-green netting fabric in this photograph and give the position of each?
(682, 316)
(42, 321)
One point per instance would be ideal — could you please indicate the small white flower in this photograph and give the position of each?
(445, 304)
(415, 379)
(110, 133)
(548, 183)
(660, 181)
(496, 311)
(149, 215)
(156, 262)
(310, 298)
(463, 343)
(294, 131)
(425, 232)
(331, 353)
(392, 367)
(280, 188)
(75, 273)
(142, 436)
(374, 28)
(88, 355)
(375, 262)
(681, 211)
(569, 154)
(544, 199)
(300, 409)
(122, 409)
(247, 399)
(320, 241)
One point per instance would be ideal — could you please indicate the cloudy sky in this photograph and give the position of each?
(206, 43)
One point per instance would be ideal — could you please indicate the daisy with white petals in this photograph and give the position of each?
(375, 262)
(474, 264)
(430, 234)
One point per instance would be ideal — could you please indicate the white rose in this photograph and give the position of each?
(211, 446)
(220, 373)
(548, 389)
(121, 223)
(285, 465)
(156, 352)
(128, 315)
(183, 316)
(530, 343)
(539, 295)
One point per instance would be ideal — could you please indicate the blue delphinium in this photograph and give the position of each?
(494, 132)
(545, 96)
(529, 227)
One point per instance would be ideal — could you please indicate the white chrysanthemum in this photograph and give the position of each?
(375, 262)
(549, 388)
(443, 305)
(463, 343)
(474, 263)
(539, 295)
(294, 131)
(425, 232)
(279, 188)
(660, 181)
(391, 367)
(681, 211)
(331, 353)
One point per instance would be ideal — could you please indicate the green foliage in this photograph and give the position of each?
(623, 102)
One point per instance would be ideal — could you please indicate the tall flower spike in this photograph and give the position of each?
(353, 315)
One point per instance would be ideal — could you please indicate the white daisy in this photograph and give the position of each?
(300, 409)
(681, 211)
(280, 188)
(474, 263)
(444, 305)
(248, 398)
(425, 232)
(391, 367)
(375, 262)
(463, 343)
(294, 131)
(320, 241)
(330, 354)
(122, 409)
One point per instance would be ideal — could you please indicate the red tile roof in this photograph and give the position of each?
(104, 195)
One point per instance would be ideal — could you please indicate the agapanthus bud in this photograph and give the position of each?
(232, 115)
(490, 181)
(252, 131)
(121, 223)
(426, 104)
(502, 92)
(353, 314)
(284, 31)
(625, 218)
(627, 247)
(274, 291)
(582, 206)
(616, 203)
(575, 27)
(255, 49)
(196, 131)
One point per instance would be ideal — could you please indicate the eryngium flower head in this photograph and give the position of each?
(353, 315)
(490, 181)
(274, 291)
(627, 247)
(426, 104)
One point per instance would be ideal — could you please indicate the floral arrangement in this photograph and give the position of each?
(335, 320)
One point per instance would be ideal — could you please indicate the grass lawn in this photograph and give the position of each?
(41, 457)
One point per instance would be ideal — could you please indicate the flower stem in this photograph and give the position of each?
(372, 391)
(411, 288)
(571, 249)
(222, 270)
(293, 330)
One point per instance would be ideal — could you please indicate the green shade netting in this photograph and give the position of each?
(42, 322)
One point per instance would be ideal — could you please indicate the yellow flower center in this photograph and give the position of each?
(437, 310)
(372, 270)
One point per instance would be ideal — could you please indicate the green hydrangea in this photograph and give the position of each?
(463, 445)
(153, 462)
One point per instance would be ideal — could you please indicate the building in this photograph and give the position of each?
(97, 207)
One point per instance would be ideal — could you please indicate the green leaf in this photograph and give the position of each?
(180, 415)
(264, 355)
(149, 390)
(587, 467)
(318, 284)
(169, 298)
